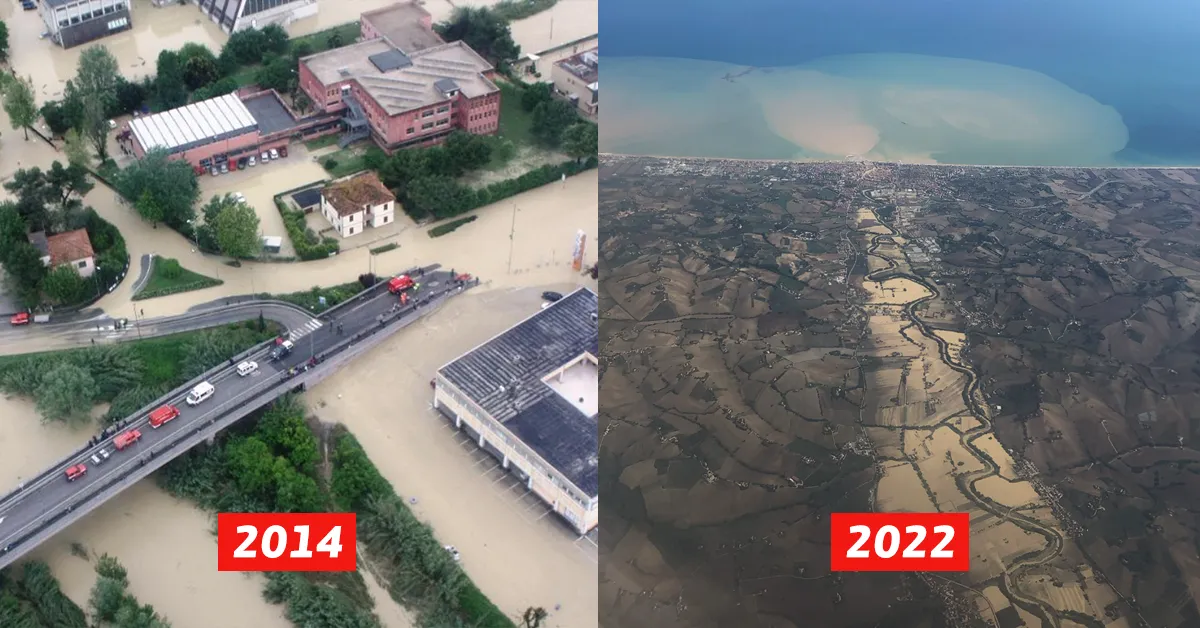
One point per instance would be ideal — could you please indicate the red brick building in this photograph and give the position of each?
(401, 85)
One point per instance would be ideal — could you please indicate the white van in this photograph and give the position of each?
(247, 367)
(202, 391)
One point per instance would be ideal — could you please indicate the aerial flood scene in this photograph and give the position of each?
(182, 206)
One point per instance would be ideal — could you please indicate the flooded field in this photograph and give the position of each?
(418, 452)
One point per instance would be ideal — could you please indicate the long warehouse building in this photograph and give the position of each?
(530, 397)
(219, 130)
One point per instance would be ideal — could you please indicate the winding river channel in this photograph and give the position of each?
(971, 399)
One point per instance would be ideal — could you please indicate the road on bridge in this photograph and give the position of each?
(42, 500)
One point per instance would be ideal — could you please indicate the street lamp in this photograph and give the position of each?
(192, 230)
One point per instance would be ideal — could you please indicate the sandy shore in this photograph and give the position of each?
(889, 163)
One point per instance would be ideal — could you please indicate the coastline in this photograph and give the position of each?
(873, 162)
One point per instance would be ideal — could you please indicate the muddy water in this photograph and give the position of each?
(515, 559)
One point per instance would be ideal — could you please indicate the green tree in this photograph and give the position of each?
(12, 227)
(486, 32)
(19, 103)
(95, 85)
(236, 229)
(170, 182)
(25, 270)
(64, 285)
(466, 152)
(78, 153)
(278, 73)
(439, 196)
(58, 117)
(252, 465)
(536, 94)
(284, 430)
(66, 393)
(334, 41)
(220, 87)
(581, 140)
(107, 598)
(170, 88)
(550, 119)
(200, 71)
(149, 208)
(130, 96)
(294, 491)
(243, 48)
(3, 41)
(274, 39)
(64, 183)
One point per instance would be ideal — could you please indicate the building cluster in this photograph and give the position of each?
(578, 78)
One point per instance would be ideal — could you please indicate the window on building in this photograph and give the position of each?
(427, 113)
(83, 264)
(443, 109)
(443, 122)
(427, 125)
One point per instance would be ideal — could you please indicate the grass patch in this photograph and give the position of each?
(311, 299)
(319, 40)
(347, 161)
(391, 246)
(513, 10)
(168, 277)
(516, 124)
(442, 230)
(322, 142)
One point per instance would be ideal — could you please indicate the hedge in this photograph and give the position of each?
(309, 246)
(187, 287)
(442, 230)
(501, 190)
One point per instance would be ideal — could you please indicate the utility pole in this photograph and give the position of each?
(512, 237)
(137, 322)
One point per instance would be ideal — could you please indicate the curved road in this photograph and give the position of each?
(966, 482)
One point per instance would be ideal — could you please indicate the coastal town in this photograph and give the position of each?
(354, 197)
(794, 339)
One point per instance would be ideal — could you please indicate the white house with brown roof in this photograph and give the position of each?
(72, 247)
(355, 203)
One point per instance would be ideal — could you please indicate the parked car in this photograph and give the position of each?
(282, 349)
(239, 197)
(20, 318)
(28, 6)
(247, 367)
(552, 296)
(214, 171)
(265, 157)
(253, 161)
(274, 153)
(242, 162)
(283, 151)
(224, 168)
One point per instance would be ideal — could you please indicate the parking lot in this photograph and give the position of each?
(513, 492)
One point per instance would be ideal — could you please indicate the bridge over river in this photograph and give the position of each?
(46, 503)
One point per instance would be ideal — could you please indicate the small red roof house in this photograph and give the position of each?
(72, 247)
(356, 202)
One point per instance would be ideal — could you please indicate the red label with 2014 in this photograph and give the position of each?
(900, 541)
(286, 541)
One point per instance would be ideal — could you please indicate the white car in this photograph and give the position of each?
(239, 197)
(453, 552)
(265, 157)
(253, 161)
(274, 154)
(200, 393)
(247, 367)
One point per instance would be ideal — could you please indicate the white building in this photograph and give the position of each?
(355, 203)
(530, 397)
(74, 22)
(235, 15)
(73, 248)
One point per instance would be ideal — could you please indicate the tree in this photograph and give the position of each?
(170, 182)
(550, 119)
(236, 228)
(58, 117)
(486, 32)
(581, 140)
(533, 617)
(3, 41)
(274, 39)
(535, 95)
(279, 74)
(19, 103)
(65, 182)
(252, 465)
(149, 208)
(66, 393)
(200, 71)
(294, 491)
(466, 151)
(25, 270)
(108, 596)
(131, 96)
(78, 153)
(170, 89)
(334, 40)
(12, 226)
(244, 47)
(64, 285)
(220, 87)
(95, 84)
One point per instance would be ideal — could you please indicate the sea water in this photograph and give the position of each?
(1072, 82)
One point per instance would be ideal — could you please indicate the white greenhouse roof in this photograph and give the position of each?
(194, 125)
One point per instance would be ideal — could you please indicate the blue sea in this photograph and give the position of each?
(1077, 82)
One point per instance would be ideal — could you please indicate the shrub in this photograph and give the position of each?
(442, 230)
(170, 268)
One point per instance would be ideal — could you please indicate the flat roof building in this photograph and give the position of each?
(403, 86)
(530, 397)
(211, 132)
(235, 15)
(74, 22)
(578, 77)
